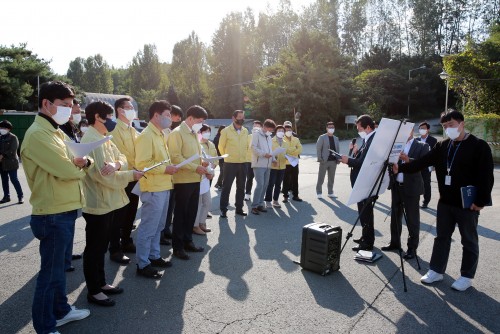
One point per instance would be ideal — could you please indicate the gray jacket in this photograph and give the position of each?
(261, 144)
(323, 146)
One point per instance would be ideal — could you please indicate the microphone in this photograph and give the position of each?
(352, 142)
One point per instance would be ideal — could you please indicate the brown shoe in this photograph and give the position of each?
(205, 228)
(198, 230)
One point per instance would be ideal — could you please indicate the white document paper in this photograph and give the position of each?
(209, 158)
(292, 160)
(337, 155)
(278, 150)
(155, 165)
(136, 190)
(79, 150)
(188, 160)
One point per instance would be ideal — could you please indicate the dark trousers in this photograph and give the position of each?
(97, 234)
(366, 218)
(274, 186)
(122, 225)
(250, 177)
(447, 218)
(412, 214)
(15, 181)
(426, 176)
(220, 179)
(170, 212)
(233, 171)
(291, 181)
(187, 196)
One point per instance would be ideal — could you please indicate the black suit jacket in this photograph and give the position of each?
(431, 141)
(356, 162)
(413, 182)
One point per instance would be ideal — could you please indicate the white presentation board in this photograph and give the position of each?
(375, 158)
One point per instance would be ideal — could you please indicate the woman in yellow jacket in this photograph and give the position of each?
(104, 188)
(277, 169)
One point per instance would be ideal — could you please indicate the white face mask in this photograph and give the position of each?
(452, 133)
(331, 131)
(62, 115)
(3, 132)
(84, 129)
(196, 127)
(130, 114)
(422, 132)
(268, 133)
(288, 133)
(256, 129)
(362, 134)
(77, 118)
(206, 135)
(280, 134)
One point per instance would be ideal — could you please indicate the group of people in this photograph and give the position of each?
(169, 167)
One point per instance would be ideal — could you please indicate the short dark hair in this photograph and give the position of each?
(158, 107)
(364, 121)
(83, 122)
(196, 111)
(269, 123)
(55, 90)
(176, 111)
(257, 122)
(75, 101)
(120, 102)
(451, 114)
(330, 123)
(279, 127)
(101, 108)
(236, 112)
(6, 124)
(205, 127)
(427, 125)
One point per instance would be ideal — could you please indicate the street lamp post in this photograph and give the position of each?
(409, 77)
(445, 76)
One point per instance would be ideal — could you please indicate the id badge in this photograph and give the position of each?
(447, 180)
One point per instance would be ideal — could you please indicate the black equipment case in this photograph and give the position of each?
(321, 244)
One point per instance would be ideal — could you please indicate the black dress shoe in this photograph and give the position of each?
(223, 214)
(70, 269)
(241, 213)
(159, 262)
(357, 241)
(424, 206)
(104, 302)
(261, 209)
(113, 291)
(190, 247)
(76, 257)
(390, 247)
(181, 254)
(21, 200)
(297, 199)
(285, 199)
(255, 211)
(363, 247)
(149, 272)
(410, 254)
(120, 258)
(5, 200)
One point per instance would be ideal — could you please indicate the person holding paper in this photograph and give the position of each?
(291, 178)
(425, 137)
(262, 158)
(104, 188)
(277, 169)
(124, 137)
(249, 181)
(366, 130)
(183, 144)
(48, 165)
(327, 160)
(234, 141)
(156, 186)
(205, 202)
(460, 160)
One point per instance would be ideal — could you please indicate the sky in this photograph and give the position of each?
(61, 31)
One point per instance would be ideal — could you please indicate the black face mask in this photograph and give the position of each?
(239, 121)
(175, 124)
(110, 124)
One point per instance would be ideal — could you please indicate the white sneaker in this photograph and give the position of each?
(247, 197)
(431, 277)
(320, 196)
(331, 195)
(73, 315)
(462, 283)
(269, 205)
(276, 204)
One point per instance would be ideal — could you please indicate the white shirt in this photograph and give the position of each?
(400, 176)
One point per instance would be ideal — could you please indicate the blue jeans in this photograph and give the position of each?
(50, 302)
(274, 186)
(261, 176)
(15, 181)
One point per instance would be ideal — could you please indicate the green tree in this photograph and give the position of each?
(76, 72)
(144, 98)
(146, 71)
(97, 75)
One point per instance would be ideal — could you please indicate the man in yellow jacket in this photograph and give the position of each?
(55, 180)
(234, 141)
(291, 178)
(183, 144)
(277, 169)
(124, 137)
(155, 187)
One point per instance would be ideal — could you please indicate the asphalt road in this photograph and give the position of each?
(246, 280)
